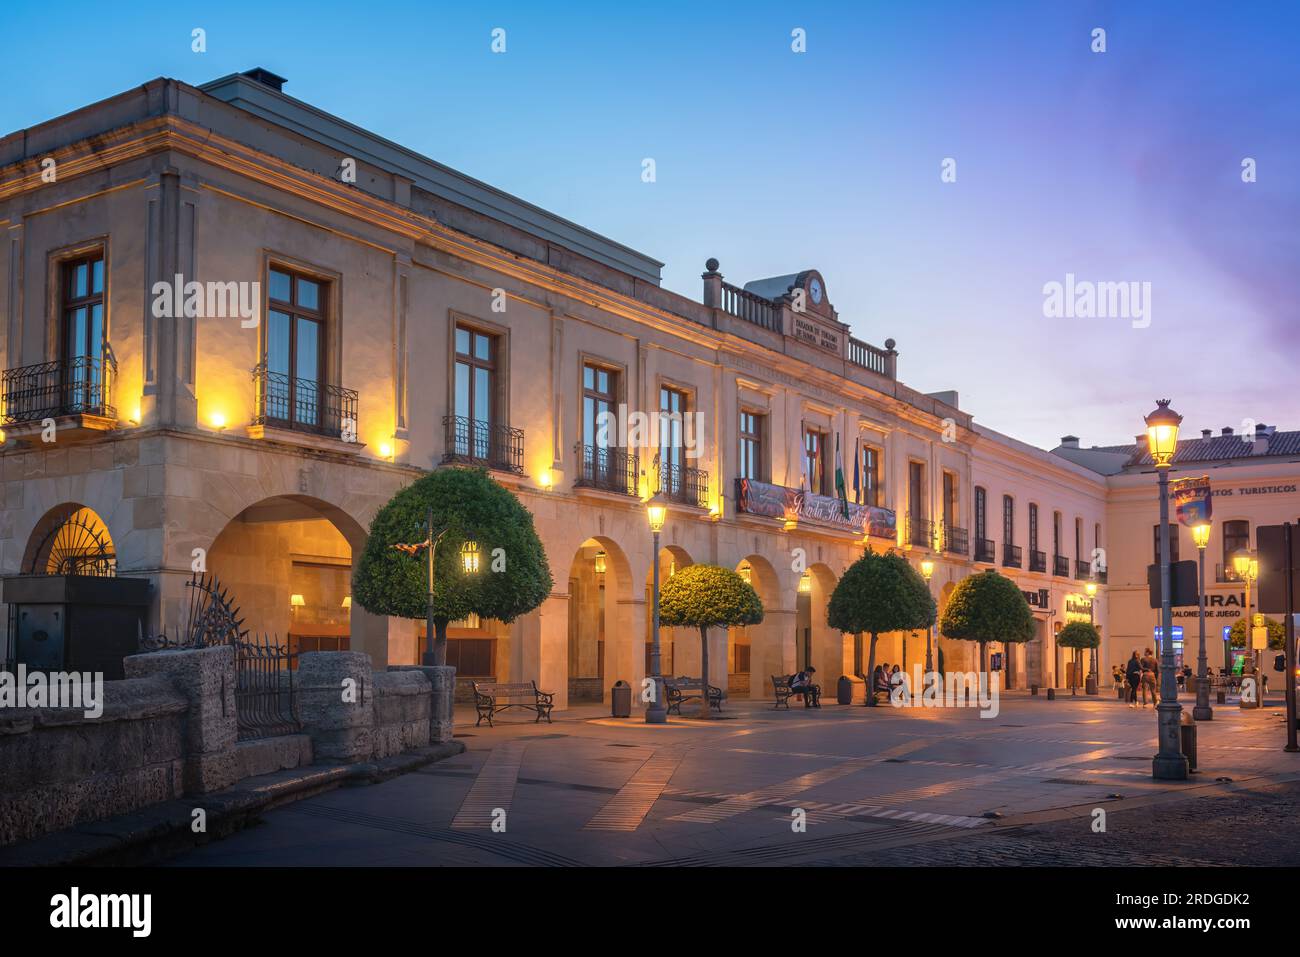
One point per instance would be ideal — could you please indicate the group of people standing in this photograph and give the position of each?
(1141, 674)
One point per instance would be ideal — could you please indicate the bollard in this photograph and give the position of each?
(1187, 738)
(1051, 694)
(1033, 690)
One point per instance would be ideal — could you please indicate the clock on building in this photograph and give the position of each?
(815, 290)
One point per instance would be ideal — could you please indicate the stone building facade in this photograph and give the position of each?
(364, 314)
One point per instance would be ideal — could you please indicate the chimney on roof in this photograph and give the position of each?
(1260, 445)
(1227, 430)
(1206, 433)
(1069, 441)
(266, 78)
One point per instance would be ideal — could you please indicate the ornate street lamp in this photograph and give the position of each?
(1090, 685)
(469, 562)
(927, 569)
(1247, 569)
(1202, 710)
(657, 713)
(1169, 764)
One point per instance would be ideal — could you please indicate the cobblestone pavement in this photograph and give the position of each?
(840, 785)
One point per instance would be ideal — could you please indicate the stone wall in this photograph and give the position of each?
(59, 768)
(170, 730)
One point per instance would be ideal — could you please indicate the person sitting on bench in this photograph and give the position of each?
(802, 684)
(880, 681)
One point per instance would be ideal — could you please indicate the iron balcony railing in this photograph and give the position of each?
(612, 470)
(304, 405)
(1037, 561)
(955, 540)
(80, 385)
(920, 531)
(1225, 574)
(682, 483)
(1082, 569)
(1010, 556)
(1060, 566)
(473, 442)
(1100, 578)
(984, 550)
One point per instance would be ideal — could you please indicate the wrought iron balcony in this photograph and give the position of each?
(985, 550)
(682, 483)
(1060, 566)
(1037, 561)
(81, 385)
(1082, 569)
(611, 470)
(304, 405)
(1225, 574)
(1101, 576)
(472, 442)
(1010, 556)
(955, 540)
(920, 531)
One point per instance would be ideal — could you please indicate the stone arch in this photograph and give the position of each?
(599, 645)
(287, 561)
(756, 652)
(816, 642)
(679, 647)
(69, 538)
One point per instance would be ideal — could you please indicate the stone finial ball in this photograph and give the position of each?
(711, 264)
(890, 343)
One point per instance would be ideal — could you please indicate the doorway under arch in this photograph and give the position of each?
(599, 649)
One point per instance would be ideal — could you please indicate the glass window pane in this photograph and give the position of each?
(307, 359)
(277, 342)
(602, 382)
(279, 286)
(462, 341)
(79, 275)
(482, 395)
(97, 278)
(588, 380)
(95, 338)
(462, 390)
(588, 420)
(482, 347)
(77, 333)
(308, 294)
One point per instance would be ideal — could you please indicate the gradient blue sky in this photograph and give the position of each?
(1116, 166)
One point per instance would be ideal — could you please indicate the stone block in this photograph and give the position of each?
(442, 684)
(335, 704)
(206, 677)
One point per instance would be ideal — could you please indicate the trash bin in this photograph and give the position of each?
(620, 700)
(1187, 735)
(1051, 694)
(844, 690)
(1033, 690)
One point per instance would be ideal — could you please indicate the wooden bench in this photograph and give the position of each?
(491, 698)
(682, 688)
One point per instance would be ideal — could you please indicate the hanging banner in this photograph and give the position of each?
(777, 501)
(1192, 500)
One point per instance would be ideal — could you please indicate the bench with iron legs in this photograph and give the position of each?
(681, 689)
(781, 688)
(491, 698)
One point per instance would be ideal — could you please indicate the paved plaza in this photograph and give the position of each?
(875, 786)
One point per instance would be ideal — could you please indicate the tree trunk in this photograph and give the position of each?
(704, 671)
(871, 673)
(439, 646)
(984, 658)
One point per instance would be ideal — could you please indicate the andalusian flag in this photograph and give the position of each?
(857, 480)
(840, 489)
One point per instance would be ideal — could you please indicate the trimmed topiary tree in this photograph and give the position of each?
(1276, 634)
(512, 578)
(880, 593)
(987, 607)
(704, 597)
(1078, 635)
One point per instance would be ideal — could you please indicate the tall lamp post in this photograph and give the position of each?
(657, 712)
(927, 569)
(1090, 685)
(469, 555)
(1169, 764)
(1247, 569)
(1202, 711)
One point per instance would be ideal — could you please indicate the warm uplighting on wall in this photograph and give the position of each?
(386, 451)
(218, 420)
(2, 436)
(347, 601)
(546, 480)
(135, 416)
